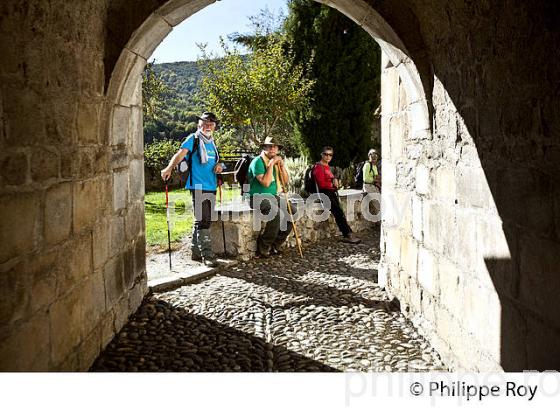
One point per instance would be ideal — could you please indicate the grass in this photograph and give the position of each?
(181, 216)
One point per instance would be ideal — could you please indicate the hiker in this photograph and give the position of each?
(204, 164)
(328, 185)
(263, 192)
(371, 175)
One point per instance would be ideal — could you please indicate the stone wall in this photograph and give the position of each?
(241, 237)
(466, 273)
(72, 264)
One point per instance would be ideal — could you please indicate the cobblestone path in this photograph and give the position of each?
(322, 313)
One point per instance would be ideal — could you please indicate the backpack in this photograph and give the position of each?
(359, 176)
(309, 184)
(241, 170)
(184, 167)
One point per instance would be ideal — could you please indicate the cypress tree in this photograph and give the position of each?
(345, 64)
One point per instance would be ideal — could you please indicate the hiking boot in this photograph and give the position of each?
(351, 239)
(263, 251)
(262, 255)
(211, 263)
(196, 257)
(276, 250)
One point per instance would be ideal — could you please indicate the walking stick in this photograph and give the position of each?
(167, 217)
(290, 211)
(220, 183)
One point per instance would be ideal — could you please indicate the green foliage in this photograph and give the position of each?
(345, 67)
(255, 93)
(153, 92)
(169, 100)
(158, 153)
(264, 26)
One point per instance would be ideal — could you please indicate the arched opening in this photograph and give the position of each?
(125, 81)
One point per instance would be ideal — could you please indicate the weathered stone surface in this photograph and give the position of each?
(93, 302)
(140, 257)
(176, 11)
(24, 116)
(14, 297)
(74, 263)
(113, 277)
(134, 221)
(144, 40)
(137, 131)
(85, 204)
(128, 268)
(88, 123)
(118, 235)
(45, 164)
(58, 213)
(427, 271)
(121, 124)
(26, 348)
(101, 243)
(18, 225)
(120, 190)
(136, 180)
(43, 280)
(66, 325)
(14, 168)
(89, 350)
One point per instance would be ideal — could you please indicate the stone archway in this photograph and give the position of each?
(471, 158)
(124, 96)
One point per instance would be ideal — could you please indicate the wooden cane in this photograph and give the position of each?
(289, 210)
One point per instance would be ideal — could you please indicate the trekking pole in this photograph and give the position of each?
(220, 183)
(290, 210)
(167, 217)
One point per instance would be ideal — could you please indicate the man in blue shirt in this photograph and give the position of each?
(201, 182)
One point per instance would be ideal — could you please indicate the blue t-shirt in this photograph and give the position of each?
(203, 176)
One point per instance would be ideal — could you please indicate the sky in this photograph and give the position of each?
(218, 19)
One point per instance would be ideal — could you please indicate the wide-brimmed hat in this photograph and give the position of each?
(208, 116)
(271, 141)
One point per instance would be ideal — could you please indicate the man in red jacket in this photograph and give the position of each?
(328, 185)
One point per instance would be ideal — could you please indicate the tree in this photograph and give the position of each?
(264, 26)
(153, 93)
(345, 70)
(255, 92)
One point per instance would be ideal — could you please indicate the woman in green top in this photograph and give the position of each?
(372, 179)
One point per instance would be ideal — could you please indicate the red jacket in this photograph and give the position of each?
(323, 176)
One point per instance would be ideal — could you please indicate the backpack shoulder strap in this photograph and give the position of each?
(196, 142)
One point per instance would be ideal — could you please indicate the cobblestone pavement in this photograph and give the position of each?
(322, 313)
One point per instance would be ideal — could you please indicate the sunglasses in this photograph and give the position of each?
(327, 154)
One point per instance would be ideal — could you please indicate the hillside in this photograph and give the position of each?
(182, 77)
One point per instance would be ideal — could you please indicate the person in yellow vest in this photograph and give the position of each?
(371, 174)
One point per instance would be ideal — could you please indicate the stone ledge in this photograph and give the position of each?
(181, 279)
(240, 237)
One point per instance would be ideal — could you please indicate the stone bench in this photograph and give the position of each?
(241, 238)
